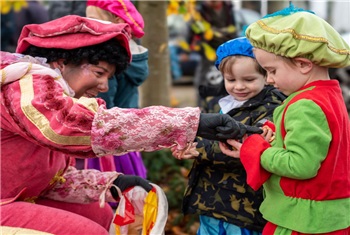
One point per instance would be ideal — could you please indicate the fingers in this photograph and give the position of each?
(227, 150)
(268, 134)
(253, 130)
(234, 143)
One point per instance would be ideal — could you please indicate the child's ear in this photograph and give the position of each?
(303, 64)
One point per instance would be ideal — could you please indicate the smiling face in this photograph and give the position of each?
(87, 79)
(243, 80)
(281, 72)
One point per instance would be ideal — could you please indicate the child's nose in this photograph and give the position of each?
(269, 80)
(240, 85)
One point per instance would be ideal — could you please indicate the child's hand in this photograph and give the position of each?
(188, 153)
(268, 134)
(231, 148)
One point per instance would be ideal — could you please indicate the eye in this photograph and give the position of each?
(99, 73)
(230, 79)
(250, 79)
(271, 72)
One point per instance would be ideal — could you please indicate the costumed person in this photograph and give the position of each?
(123, 89)
(305, 171)
(213, 25)
(217, 188)
(50, 116)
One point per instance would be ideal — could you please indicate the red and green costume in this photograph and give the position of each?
(306, 171)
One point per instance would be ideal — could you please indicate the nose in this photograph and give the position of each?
(269, 80)
(239, 85)
(103, 86)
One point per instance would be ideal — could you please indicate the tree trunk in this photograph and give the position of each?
(156, 89)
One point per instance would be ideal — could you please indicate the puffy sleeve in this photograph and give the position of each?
(46, 115)
(117, 130)
(83, 186)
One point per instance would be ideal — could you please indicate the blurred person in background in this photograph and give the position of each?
(30, 12)
(58, 9)
(214, 26)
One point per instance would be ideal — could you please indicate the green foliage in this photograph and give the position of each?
(169, 173)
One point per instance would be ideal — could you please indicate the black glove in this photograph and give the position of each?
(126, 181)
(216, 126)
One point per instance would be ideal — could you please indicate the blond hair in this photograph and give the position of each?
(98, 13)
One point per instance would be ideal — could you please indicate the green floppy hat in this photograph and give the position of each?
(294, 32)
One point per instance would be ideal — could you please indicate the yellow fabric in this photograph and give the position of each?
(20, 231)
(149, 212)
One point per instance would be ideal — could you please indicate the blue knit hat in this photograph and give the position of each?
(237, 46)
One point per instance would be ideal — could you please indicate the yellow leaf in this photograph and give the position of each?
(231, 29)
(196, 48)
(208, 35)
(184, 45)
(18, 5)
(163, 47)
(209, 52)
(5, 7)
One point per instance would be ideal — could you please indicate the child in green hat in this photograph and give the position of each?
(305, 171)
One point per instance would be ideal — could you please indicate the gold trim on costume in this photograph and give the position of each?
(40, 121)
(31, 199)
(128, 14)
(303, 37)
(3, 76)
(86, 102)
(21, 231)
(58, 178)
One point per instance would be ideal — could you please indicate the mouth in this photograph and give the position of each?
(90, 95)
(241, 94)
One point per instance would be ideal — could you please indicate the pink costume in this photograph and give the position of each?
(43, 127)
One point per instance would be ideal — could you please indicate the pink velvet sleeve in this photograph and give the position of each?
(83, 186)
(251, 151)
(117, 131)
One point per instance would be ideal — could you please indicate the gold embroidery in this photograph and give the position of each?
(40, 121)
(58, 178)
(128, 14)
(30, 65)
(303, 37)
(3, 76)
(31, 199)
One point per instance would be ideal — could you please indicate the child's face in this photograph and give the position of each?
(280, 73)
(87, 79)
(244, 81)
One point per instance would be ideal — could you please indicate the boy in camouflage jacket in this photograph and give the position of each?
(217, 188)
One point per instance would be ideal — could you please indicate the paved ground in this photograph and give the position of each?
(185, 95)
(184, 92)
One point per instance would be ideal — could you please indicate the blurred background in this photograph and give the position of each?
(181, 37)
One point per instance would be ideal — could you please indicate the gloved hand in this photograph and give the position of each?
(215, 126)
(126, 181)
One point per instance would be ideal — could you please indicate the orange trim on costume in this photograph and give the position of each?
(129, 16)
